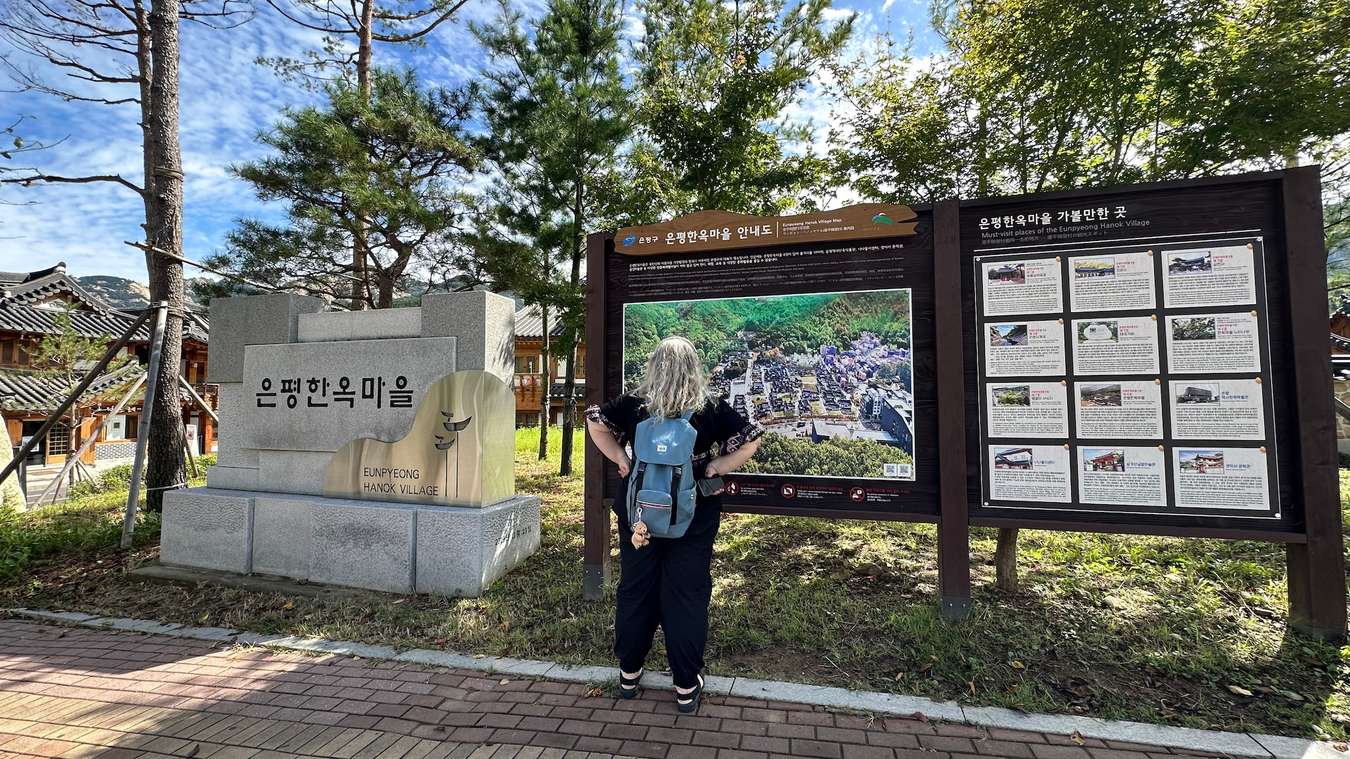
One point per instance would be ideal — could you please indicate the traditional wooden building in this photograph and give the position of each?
(30, 304)
(529, 382)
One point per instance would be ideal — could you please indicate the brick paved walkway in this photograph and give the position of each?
(78, 692)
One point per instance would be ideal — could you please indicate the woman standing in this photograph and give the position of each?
(669, 581)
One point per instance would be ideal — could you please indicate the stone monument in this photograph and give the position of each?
(369, 449)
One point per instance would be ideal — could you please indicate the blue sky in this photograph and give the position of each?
(226, 99)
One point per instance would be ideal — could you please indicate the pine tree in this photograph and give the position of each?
(383, 172)
(557, 116)
(715, 80)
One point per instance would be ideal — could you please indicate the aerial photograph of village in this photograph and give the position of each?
(828, 375)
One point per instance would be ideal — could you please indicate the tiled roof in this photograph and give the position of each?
(530, 325)
(37, 289)
(26, 390)
(8, 278)
(22, 294)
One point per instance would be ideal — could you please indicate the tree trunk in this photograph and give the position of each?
(570, 342)
(146, 75)
(1005, 560)
(385, 283)
(569, 403)
(361, 281)
(165, 466)
(545, 384)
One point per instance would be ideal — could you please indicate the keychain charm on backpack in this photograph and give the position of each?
(663, 486)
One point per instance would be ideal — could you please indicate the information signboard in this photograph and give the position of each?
(1124, 373)
(1130, 359)
(810, 336)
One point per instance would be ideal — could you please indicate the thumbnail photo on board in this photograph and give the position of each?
(1201, 461)
(1007, 334)
(1200, 392)
(1012, 458)
(1199, 328)
(1103, 460)
(828, 375)
(1098, 331)
(1197, 263)
(1100, 395)
(1091, 268)
(1015, 274)
(1012, 395)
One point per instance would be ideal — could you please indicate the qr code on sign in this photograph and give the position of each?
(896, 470)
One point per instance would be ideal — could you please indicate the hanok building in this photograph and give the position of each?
(1013, 458)
(1340, 372)
(1009, 273)
(30, 304)
(529, 380)
(1112, 461)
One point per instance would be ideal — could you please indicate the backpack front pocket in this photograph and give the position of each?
(654, 508)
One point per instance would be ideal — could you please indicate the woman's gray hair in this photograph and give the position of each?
(675, 382)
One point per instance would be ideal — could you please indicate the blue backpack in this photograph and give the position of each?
(662, 487)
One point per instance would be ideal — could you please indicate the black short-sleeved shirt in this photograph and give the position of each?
(721, 429)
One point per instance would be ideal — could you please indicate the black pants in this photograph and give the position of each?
(666, 582)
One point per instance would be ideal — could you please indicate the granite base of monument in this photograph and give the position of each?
(391, 547)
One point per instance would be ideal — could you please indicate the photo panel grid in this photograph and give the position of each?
(1106, 354)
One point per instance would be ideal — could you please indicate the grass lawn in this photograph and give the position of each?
(1186, 632)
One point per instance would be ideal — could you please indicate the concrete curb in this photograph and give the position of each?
(1226, 743)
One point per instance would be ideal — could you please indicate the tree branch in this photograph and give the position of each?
(27, 181)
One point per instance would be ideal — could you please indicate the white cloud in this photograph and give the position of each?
(227, 99)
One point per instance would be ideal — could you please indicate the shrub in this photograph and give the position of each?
(115, 479)
(76, 528)
(118, 479)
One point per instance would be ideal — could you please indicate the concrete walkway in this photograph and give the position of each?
(84, 691)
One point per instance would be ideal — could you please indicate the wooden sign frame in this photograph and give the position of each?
(1285, 207)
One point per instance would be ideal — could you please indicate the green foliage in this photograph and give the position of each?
(798, 324)
(828, 458)
(556, 109)
(1268, 80)
(67, 353)
(715, 79)
(112, 480)
(388, 167)
(1063, 94)
(72, 529)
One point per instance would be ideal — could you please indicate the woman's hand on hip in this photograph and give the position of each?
(624, 466)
